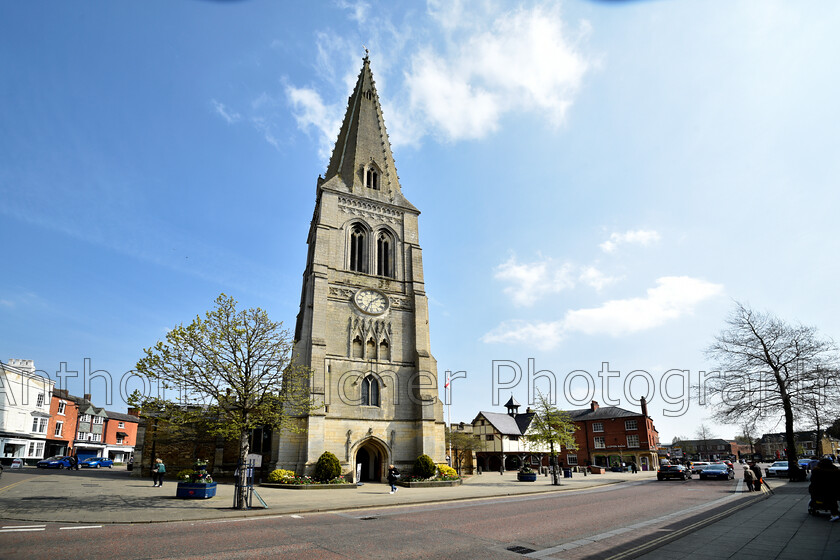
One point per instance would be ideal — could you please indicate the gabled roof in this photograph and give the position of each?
(602, 413)
(508, 425)
(363, 140)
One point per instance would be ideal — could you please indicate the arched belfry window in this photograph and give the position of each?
(370, 391)
(384, 254)
(372, 178)
(358, 249)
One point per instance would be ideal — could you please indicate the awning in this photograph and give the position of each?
(122, 434)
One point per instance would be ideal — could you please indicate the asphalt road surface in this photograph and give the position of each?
(486, 528)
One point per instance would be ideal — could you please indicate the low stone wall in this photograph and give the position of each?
(430, 484)
(309, 486)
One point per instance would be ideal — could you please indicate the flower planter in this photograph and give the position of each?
(526, 477)
(597, 470)
(308, 486)
(429, 483)
(195, 490)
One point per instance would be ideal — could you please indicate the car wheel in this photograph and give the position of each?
(660, 478)
(98, 465)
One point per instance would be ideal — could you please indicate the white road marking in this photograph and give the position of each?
(82, 527)
(21, 526)
(20, 530)
(296, 516)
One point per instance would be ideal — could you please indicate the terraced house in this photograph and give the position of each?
(24, 411)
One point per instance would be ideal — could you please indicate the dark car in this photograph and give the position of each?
(56, 462)
(96, 462)
(717, 470)
(673, 471)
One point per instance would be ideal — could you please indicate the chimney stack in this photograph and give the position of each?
(594, 406)
(643, 402)
(87, 396)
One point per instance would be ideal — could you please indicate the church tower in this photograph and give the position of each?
(363, 325)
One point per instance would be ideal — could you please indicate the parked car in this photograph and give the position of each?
(96, 462)
(698, 466)
(56, 462)
(717, 470)
(779, 468)
(673, 471)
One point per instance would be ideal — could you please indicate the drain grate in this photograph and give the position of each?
(92, 485)
(520, 549)
(45, 498)
(368, 518)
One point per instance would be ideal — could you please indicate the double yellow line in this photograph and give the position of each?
(12, 485)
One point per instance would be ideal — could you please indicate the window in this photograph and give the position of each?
(61, 406)
(58, 428)
(95, 437)
(357, 249)
(631, 425)
(120, 424)
(384, 255)
(120, 439)
(39, 425)
(372, 179)
(36, 449)
(80, 435)
(513, 438)
(600, 442)
(598, 427)
(370, 391)
(489, 437)
(40, 401)
(84, 418)
(571, 459)
(632, 441)
(98, 419)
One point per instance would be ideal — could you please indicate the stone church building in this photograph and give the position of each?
(363, 325)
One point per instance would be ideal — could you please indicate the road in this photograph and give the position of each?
(486, 528)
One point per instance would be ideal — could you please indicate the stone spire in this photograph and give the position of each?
(363, 145)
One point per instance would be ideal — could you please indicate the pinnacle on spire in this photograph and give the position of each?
(362, 162)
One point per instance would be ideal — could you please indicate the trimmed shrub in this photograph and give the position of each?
(328, 467)
(278, 475)
(446, 470)
(424, 467)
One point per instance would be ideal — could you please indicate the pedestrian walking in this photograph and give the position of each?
(634, 467)
(825, 486)
(757, 476)
(158, 470)
(393, 477)
(749, 477)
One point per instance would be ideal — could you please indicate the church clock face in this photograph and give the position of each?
(371, 302)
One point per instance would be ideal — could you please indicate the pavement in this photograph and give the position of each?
(773, 524)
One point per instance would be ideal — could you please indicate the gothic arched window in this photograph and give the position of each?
(370, 391)
(384, 254)
(372, 178)
(358, 252)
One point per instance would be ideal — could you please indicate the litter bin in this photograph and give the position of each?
(567, 473)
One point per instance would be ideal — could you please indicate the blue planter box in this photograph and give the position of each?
(526, 477)
(195, 490)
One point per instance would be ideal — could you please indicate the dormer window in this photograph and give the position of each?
(372, 178)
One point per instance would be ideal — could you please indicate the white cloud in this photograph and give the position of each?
(358, 10)
(520, 60)
(593, 277)
(672, 298)
(230, 116)
(637, 237)
(531, 281)
(310, 111)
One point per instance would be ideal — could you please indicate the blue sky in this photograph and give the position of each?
(598, 180)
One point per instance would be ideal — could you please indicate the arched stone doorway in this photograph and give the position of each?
(370, 462)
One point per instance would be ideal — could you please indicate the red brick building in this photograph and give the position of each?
(120, 435)
(609, 435)
(61, 430)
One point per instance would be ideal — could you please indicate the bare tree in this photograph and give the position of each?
(765, 369)
(704, 434)
(552, 427)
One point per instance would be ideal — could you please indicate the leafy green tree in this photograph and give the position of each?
(234, 371)
(551, 427)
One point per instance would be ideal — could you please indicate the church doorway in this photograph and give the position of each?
(370, 463)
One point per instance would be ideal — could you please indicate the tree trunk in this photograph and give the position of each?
(242, 472)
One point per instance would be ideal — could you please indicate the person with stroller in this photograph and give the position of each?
(825, 486)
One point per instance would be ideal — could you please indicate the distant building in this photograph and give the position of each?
(24, 411)
(772, 446)
(712, 449)
(503, 439)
